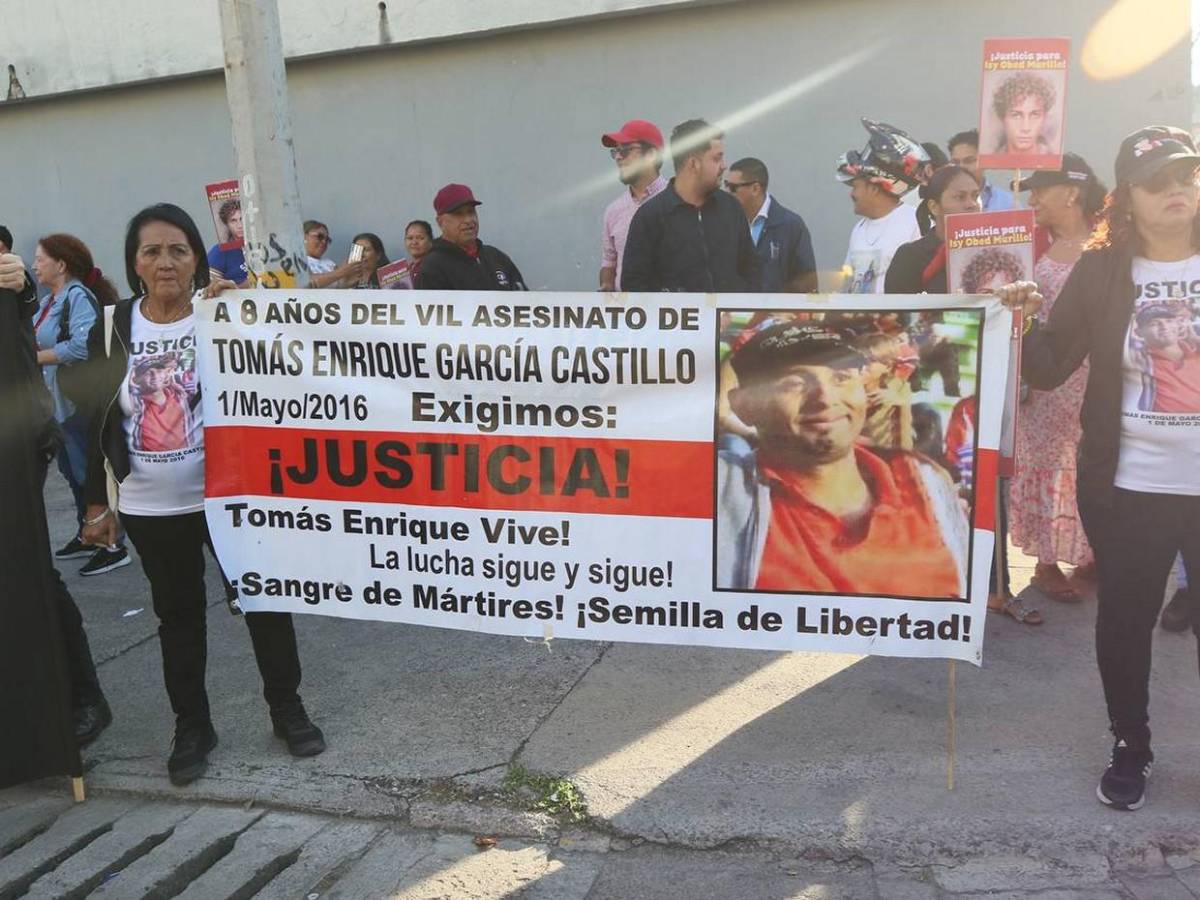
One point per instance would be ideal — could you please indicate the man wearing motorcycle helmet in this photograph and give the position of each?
(887, 169)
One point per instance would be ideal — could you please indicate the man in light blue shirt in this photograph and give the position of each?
(780, 236)
(964, 151)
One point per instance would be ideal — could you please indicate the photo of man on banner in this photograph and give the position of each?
(817, 506)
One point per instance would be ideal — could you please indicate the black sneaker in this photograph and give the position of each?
(1177, 614)
(74, 549)
(189, 752)
(1123, 784)
(292, 723)
(91, 719)
(105, 560)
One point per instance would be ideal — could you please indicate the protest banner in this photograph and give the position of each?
(984, 251)
(395, 275)
(1023, 101)
(560, 466)
(224, 203)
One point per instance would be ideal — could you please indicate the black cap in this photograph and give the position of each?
(1147, 150)
(795, 344)
(1074, 171)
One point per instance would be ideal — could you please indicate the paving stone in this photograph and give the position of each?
(568, 877)
(896, 884)
(21, 822)
(382, 868)
(1177, 861)
(74, 829)
(132, 836)
(197, 842)
(260, 853)
(455, 868)
(336, 846)
(1021, 873)
(1155, 887)
(1190, 878)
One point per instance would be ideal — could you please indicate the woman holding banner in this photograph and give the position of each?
(1129, 307)
(151, 438)
(1044, 518)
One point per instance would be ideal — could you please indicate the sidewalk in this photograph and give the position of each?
(833, 759)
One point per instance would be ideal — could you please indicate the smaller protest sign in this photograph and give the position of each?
(224, 201)
(985, 251)
(1022, 117)
(395, 275)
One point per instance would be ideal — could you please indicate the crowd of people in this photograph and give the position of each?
(1110, 343)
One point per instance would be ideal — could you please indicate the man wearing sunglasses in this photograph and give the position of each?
(637, 151)
(780, 235)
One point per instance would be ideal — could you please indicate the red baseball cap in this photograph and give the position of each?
(452, 196)
(635, 131)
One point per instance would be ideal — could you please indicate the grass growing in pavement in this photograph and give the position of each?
(557, 797)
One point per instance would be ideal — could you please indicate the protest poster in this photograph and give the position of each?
(561, 466)
(224, 202)
(984, 251)
(1022, 117)
(394, 275)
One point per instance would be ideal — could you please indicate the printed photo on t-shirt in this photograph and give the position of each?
(164, 396)
(1164, 342)
(864, 274)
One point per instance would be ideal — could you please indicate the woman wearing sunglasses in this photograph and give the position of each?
(325, 272)
(1130, 308)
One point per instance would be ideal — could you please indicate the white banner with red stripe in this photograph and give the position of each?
(591, 466)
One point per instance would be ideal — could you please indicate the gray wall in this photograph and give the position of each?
(518, 117)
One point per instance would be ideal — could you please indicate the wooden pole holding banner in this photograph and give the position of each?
(951, 728)
(77, 790)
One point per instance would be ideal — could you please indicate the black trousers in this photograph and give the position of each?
(1135, 542)
(172, 553)
(85, 685)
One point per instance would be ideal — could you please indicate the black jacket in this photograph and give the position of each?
(106, 427)
(905, 274)
(1089, 320)
(447, 267)
(673, 246)
(785, 252)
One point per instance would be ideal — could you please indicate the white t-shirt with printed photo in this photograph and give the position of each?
(164, 422)
(873, 243)
(1160, 399)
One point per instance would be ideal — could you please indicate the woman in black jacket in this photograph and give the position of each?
(151, 435)
(1130, 307)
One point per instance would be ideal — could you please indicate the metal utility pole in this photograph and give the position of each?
(256, 86)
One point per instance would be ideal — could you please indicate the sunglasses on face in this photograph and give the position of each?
(734, 186)
(321, 237)
(623, 150)
(1169, 177)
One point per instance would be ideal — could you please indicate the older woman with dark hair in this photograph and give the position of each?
(1044, 515)
(1138, 475)
(151, 437)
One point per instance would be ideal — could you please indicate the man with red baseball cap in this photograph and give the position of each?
(637, 150)
(459, 261)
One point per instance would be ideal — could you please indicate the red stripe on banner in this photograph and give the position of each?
(987, 465)
(478, 471)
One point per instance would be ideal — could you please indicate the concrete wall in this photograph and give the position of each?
(59, 46)
(518, 116)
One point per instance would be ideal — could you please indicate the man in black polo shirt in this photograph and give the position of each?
(692, 236)
(459, 261)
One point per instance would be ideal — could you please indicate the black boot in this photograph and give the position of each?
(91, 718)
(1177, 614)
(292, 723)
(189, 751)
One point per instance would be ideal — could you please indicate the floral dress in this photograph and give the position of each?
(1043, 517)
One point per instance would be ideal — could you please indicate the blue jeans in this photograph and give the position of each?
(72, 462)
